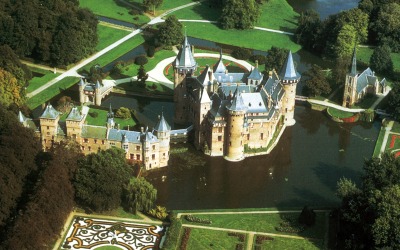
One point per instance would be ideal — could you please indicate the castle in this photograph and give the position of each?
(151, 148)
(358, 85)
(233, 114)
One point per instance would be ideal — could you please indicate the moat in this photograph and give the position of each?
(303, 169)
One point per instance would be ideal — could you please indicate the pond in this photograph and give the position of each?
(323, 7)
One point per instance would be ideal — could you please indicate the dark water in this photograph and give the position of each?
(305, 165)
(323, 7)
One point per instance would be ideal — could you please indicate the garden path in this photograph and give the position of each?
(41, 66)
(385, 138)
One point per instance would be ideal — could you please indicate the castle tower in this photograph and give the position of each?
(82, 96)
(125, 143)
(110, 118)
(163, 133)
(234, 139)
(74, 123)
(219, 67)
(184, 66)
(255, 76)
(49, 126)
(97, 94)
(349, 95)
(201, 116)
(289, 79)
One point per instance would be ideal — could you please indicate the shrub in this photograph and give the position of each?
(173, 233)
(123, 113)
(134, 12)
(290, 225)
(159, 212)
(307, 216)
(192, 218)
(151, 50)
(260, 58)
(141, 60)
(241, 53)
(94, 114)
(240, 236)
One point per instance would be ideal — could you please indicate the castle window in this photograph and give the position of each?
(131, 156)
(138, 157)
(220, 130)
(154, 147)
(230, 143)
(262, 136)
(48, 127)
(83, 148)
(44, 140)
(89, 148)
(153, 156)
(102, 142)
(219, 138)
(85, 140)
(95, 141)
(248, 137)
(137, 148)
(220, 149)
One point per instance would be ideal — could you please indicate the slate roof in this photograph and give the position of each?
(254, 102)
(237, 103)
(74, 115)
(203, 77)
(50, 112)
(219, 67)
(288, 72)
(255, 74)
(21, 117)
(185, 58)
(117, 135)
(364, 79)
(162, 125)
(230, 77)
(205, 98)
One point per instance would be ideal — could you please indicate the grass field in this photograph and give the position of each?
(52, 91)
(116, 52)
(118, 212)
(285, 243)
(379, 142)
(101, 119)
(210, 239)
(109, 8)
(252, 39)
(108, 35)
(37, 82)
(339, 113)
(364, 54)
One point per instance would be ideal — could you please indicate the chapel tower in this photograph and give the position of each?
(350, 85)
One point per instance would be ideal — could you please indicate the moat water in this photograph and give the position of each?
(323, 7)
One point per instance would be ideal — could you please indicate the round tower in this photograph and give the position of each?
(97, 94)
(234, 138)
(163, 133)
(81, 85)
(289, 79)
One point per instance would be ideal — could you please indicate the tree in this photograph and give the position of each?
(141, 60)
(381, 60)
(123, 113)
(358, 20)
(275, 58)
(394, 101)
(307, 216)
(140, 195)
(346, 188)
(309, 29)
(152, 3)
(10, 90)
(239, 14)
(316, 81)
(170, 32)
(339, 71)
(386, 27)
(345, 42)
(64, 104)
(142, 75)
(100, 178)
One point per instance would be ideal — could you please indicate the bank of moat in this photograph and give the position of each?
(234, 115)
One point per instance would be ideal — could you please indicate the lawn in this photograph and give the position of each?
(37, 82)
(364, 54)
(101, 119)
(263, 223)
(252, 39)
(118, 212)
(366, 102)
(379, 142)
(116, 52)
(286, 243)
(210, 239)
(108, 35)
(110, 8)
(52, 91)
(339, 113)
(166, 4)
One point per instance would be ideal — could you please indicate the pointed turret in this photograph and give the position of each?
(162, 125)
(98, 85)
(74, 115)
(50, 112)
(289, 74)
(185, 61)
(205, 98)
(110, 118)
(353, 71)
(21, 117)
(81, 82)
(219, 67)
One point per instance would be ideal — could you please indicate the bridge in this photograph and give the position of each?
(180, 135)
(301, 98)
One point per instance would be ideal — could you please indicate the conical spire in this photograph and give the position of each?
(289, 73)
(353, 71)
(21, 117)
(237, 102)
(185, 59)
(162, 125)
(219, 67)
(205, 98)
(110, 113)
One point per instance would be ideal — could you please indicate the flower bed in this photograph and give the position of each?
(261, 238)
(192, 218)
(185, 238)
(290, 225)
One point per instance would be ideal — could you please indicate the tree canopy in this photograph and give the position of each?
(152, 3)
(275, 58)
(100, 178)
(140, 195)
(381, 60)
(239, 14)
(394, 101)
(170, 32)
(10, 90)
(316, 81)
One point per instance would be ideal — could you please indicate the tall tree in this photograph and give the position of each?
(170, 32)
(275, 58)
(345, 42)
(140, 195)
(316, 81)
(381, 60)
(386, 27)
(358, 20)
(309, 29)
(10, 90)
(152, 3)
(240, 14)
(394, 101)
(100, 178)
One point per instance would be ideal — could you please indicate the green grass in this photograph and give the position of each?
(210, 239)
(366, 102)
(108, 248)
(108, 35)
(37, 82)
(109, 8)
(364, 54)
(379, 141)
(396, 127)
(396, 143)
(101, 119)
(252, 39)
(198, 12)
(52, 91)
(116, 52)
(263, 223)
(286, 243)
(279, 15)
(339, 113)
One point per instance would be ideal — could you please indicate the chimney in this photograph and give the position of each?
(256, 64)
(192, 49)
(226, 72)
(118, 126)
(270, 73)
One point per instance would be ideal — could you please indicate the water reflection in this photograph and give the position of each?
(323, 7)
